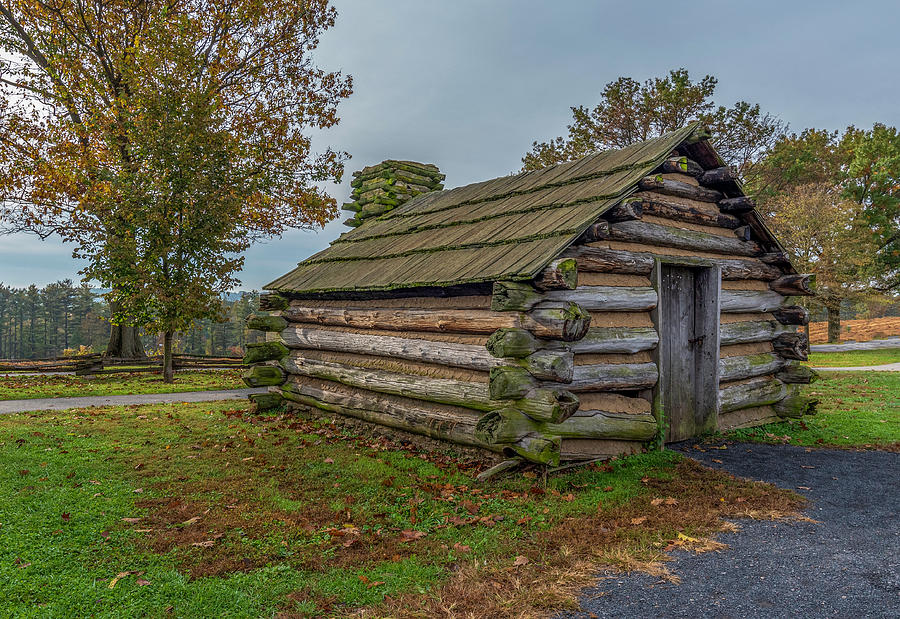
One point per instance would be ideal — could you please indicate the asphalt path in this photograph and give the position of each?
(845, 564)
(41, 404)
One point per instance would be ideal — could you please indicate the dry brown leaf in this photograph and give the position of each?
(639, 520)
(520, 560)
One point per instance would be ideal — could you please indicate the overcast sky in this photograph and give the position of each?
(469, 84)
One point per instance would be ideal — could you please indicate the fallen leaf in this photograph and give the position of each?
(610, 488)
(639, 520)
(803, 488)
(409, 536)
(132, 520)
(143, 583)
(376, 583)
(685, 538)
(66, 516)
(469, 506)
(138, 490)
(717, 461)
(104, 534)
(328, 461)
(520, 560)
(461, 547)
(191, 520)
(119, 577)
(207, 544)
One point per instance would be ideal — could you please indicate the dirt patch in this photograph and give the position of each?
(633, 536)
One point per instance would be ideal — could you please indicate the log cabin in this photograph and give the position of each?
(595, 308)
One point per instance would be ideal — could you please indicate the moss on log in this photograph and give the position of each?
(264, 376)
(748, 366)
(515, 296)
(757, 392)
(266, 401)
(512, 342)
(795, 404)
(795, 372)
(271, 301)
(614, 377)
(555, 365)
(265, 351)
(627, 340)
(536, 448)
(681, 165)
(510, 382)
(266, 322)
(561, 274)
(568, 322)
(679, 189)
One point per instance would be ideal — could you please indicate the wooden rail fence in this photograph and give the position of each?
(87, 365)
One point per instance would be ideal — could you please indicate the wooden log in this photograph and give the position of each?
(265, 401)
(667, 236)
(266, 322)
(659, 207)
(515, 343)
(509, 425)
(510, 383)
(776, 258)
(795, 404)
(681, 165)
(627, 340)
(614, 377)
(747, 301)
(543, 404)
(515, 296)
(719, 176)
(604, 425)
(743, 233)
(552, 321)
(561, 274)
(568, 322)
(750, 331)
(536, 448)
(467, 356)
(748, 366)
(792, 346)
(540, 403)
(435, 422)
(791, 315)
(737, 206)
(601, 260)
(265, 351)
(627, 210)
(733, 269)
(555, 365)
(264, 376)
(759, 392)
(271, 302)
(608, 298)
(442, 390)
(679, 189)
(795, 285)
(794, 372)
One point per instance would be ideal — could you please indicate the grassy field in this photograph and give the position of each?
(856, 409)
(854, 358)
(14, 387)
(205, 510)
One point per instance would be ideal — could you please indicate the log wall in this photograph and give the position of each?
(558, 368)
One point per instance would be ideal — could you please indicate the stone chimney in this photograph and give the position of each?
(379, 188)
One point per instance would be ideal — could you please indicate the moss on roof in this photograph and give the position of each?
(507, 228)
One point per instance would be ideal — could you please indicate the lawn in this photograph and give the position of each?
(856, 409)
(198, 510)
(13, 387)
(854, 358)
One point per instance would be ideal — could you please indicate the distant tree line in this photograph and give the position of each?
(63, 319)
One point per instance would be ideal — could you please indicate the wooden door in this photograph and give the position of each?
(688, 323)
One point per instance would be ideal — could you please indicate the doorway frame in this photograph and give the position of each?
(707, 399)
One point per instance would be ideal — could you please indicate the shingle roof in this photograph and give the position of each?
(508, 228)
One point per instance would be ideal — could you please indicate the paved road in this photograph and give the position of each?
(21, 406)
(845, 565)
(888, 367)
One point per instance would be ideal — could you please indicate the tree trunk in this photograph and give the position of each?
(833, 308)
(124, 340)
(168, 368)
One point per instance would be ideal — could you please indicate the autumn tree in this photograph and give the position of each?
(161, 138)
(826, 234)
(630, 112)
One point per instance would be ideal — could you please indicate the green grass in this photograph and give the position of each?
(854, 358)
(14, 387)
(231, 514)
(856, 409)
